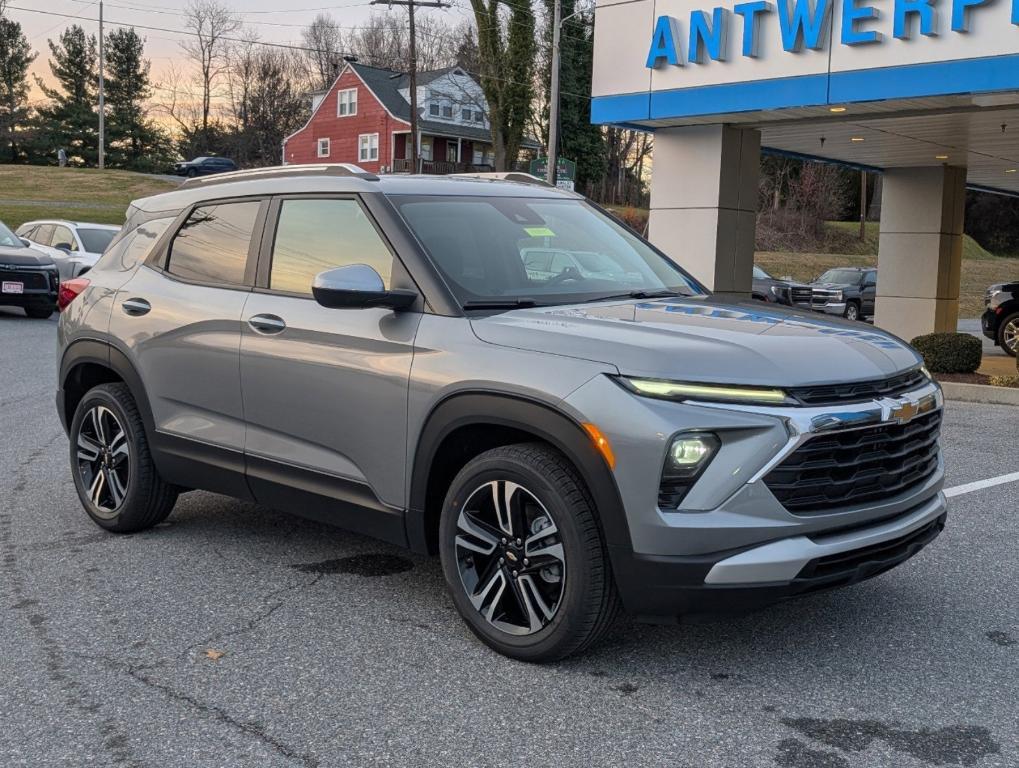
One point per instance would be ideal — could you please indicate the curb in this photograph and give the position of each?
(980, 393)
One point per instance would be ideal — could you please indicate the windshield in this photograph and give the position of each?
(847, 276)
(540, 250)
(9, 239)
(96, 240)
(760, 274)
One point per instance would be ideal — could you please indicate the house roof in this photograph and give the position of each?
(386, 85)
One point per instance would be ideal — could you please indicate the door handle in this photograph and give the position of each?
(136, 307)
(268, 324)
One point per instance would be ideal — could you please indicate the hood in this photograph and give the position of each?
(835, 286)
(24, 257)
(705, 340)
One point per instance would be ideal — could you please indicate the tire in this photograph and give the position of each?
(1008, 334)
(130, 495)
(547, 499)
(192, 173)
(852, 311)
(39, 313)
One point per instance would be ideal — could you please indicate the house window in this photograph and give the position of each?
(465, 115)
(433, 109)
(478, 116)
(426, 147)
(447, 110)
(323, 147)
(368, 146)
(346, 102)
(450, 152)
(479, 157)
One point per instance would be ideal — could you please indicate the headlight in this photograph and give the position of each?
(676, 390)
(688, 456)
(837, 295)
(779, 291)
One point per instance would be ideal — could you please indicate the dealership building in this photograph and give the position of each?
(924, 91)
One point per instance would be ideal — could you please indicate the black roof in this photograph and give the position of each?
(386, 85)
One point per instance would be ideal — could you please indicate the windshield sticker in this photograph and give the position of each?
(539, 232)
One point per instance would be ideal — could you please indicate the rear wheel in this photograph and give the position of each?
(116, 480)
(1008, 334)
(39, 313)
(523, 556)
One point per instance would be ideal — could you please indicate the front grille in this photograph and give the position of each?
(857, 466)
(860, 391)
(801, 295)
(32, 280)
(821, 296)
(858, 564)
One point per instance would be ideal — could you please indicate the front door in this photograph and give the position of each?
(180, 322)
(325, 390)
(868, 294)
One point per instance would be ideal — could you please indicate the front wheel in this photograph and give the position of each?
(113, 471)
(852, 311)
(1008, 334)
(523, 555)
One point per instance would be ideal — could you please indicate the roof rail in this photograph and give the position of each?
(517, 176)
(283, 171)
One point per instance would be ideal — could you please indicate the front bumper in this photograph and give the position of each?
(834, 308)
(989, 324)
(732, 546)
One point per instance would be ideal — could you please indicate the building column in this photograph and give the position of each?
(920, 250)
(704, 202)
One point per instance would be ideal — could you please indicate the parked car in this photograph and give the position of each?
(780, 291)
(28, 278)
(373, 353)
(74, 246)
(846, 291)
(1000, 320)
(203, 166)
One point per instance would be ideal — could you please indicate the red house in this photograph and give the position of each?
(364, 118)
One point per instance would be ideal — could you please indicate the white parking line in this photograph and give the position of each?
(979, 485)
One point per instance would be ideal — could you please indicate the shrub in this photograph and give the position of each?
(949, 352)
(1004, 381)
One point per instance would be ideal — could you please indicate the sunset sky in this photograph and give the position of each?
(266, 17)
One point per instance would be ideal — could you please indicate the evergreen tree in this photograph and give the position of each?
(15, 58)
(70, 119)
(132, 140)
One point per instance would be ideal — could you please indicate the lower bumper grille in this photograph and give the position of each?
(856, 466)
(32, 280)
(858, 564)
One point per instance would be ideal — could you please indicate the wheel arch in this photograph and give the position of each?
(89, 362)
(467, 424)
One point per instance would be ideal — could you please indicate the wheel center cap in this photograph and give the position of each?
(511, 555)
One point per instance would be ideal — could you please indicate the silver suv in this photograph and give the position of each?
(376, 353)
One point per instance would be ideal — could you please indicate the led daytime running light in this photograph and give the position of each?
(672, 389)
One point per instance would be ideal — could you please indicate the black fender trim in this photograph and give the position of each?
(547, 423)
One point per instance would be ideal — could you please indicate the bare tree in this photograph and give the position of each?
(323, 40)
(210, 24)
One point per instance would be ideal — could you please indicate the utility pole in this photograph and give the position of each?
(553, 107)
(414, 154)
(102, 88)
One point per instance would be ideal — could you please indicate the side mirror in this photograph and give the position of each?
(66, 247)
(357, 286)
(25, 242)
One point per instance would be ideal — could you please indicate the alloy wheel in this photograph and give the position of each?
(103, 459)
(852, 313)
(1010, 334)
(510, 556)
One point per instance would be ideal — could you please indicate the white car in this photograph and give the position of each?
(74, 246)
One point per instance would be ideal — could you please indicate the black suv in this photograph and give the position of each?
(203, 166)
(28, 278)
(1000, 320)
(846, 291)
(779, 291)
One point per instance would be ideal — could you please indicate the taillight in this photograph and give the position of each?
(69, 290)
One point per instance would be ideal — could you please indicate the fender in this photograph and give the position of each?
(539, 419)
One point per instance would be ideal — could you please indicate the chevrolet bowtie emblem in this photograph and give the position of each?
(904, 411)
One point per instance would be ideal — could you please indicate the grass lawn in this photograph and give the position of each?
(80, 194)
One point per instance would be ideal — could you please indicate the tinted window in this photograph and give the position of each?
(315, 235)
(96, 240)
(63, 236)
(847, 276)
(212, 245)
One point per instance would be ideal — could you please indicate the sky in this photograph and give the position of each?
(273, 23)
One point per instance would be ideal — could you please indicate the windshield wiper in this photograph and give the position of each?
(639, 295)
(500, 304)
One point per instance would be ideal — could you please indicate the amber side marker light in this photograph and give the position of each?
(601, 443)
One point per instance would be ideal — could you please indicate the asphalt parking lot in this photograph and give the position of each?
(234, 635)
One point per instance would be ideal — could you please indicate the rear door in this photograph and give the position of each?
(180, 319)
(325, 390)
